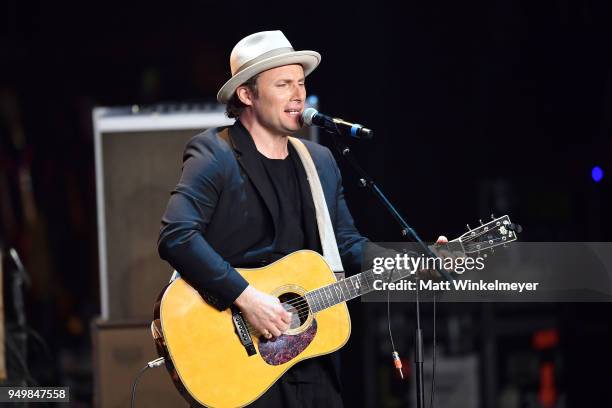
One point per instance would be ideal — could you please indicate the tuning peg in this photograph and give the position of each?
(515, 227)
(480, 221)
(492, 216)
(468, 226)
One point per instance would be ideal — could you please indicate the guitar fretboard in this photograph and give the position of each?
(497, 232)
(349, 288)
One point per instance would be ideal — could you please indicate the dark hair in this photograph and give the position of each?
(234, 106)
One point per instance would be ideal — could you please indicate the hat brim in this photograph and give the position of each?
(309, 60)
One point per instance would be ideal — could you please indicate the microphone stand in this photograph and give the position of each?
(20, 277)
(407, 231)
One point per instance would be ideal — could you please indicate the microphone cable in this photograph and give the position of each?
(397, 362)
(396, 359)
(151, 364)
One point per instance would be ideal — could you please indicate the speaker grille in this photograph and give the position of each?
(140, 171)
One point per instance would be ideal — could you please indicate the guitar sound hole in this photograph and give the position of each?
(297, 306)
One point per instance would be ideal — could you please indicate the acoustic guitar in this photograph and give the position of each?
(217, 360)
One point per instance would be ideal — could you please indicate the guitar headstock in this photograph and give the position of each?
(498, 231)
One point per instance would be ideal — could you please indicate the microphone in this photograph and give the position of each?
(311, 117)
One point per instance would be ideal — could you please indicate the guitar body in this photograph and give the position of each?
(207, 360)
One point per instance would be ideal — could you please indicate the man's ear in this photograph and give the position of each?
(245, 95)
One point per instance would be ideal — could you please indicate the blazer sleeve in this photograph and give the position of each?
(181, 241)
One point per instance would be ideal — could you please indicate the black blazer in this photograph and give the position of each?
(220, 213)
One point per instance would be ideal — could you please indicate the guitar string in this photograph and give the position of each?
(470, 238)
(301, 305)
(364, 280)
(302, 302)
(300, 311)
(473, 237)
(254, 331)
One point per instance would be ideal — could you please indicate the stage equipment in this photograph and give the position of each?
(120, 350)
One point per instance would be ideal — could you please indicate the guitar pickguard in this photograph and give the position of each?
(287, 346)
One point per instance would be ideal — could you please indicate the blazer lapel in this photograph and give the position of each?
(248, 158)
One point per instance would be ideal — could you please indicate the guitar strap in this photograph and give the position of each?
(326, 231)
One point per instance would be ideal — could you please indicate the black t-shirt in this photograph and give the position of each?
(283, 177)
(290, 238)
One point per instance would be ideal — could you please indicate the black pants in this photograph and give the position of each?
(310, 383)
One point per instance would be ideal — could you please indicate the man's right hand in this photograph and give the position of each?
(264, 312)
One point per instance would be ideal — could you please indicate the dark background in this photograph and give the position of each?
(497, 106)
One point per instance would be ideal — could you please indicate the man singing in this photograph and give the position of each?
(244, 200)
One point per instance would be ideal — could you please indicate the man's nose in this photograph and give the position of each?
(299, 93)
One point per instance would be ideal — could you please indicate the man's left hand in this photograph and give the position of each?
(441, 250)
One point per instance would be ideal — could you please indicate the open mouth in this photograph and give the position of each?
(293, 112)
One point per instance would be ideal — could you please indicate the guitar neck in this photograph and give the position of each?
(349, 288)
(353, 287)
(499, 231)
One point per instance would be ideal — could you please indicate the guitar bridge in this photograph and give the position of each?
(242, 331)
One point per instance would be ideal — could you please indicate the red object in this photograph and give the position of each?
(548, 392)
(398, 364)
(545, 339)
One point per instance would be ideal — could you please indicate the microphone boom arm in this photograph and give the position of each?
(366, 181)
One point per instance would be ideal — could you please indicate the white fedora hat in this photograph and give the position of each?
(262, 51)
